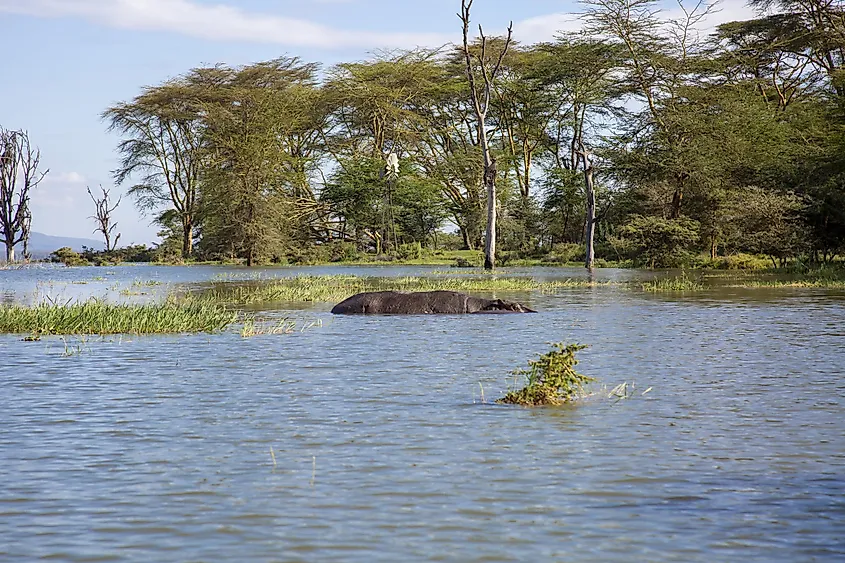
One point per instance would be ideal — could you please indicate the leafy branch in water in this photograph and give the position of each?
(552, 379)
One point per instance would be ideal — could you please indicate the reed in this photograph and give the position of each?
(818, 283)
(99, 317)
(253, 327)
(679, 283)
(337, 288)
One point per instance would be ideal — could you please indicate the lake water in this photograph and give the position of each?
(375, 438)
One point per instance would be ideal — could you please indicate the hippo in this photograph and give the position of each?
(423, 302)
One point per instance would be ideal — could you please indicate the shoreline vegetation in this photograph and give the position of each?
(454, 259)
(338, 287)
(630, 146)
(218, 305)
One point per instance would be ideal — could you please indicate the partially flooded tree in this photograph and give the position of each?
(580, 70)
(19, 174)
(481, 96)
(103, 217)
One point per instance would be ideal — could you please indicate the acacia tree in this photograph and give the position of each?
(523, 113)
(164, 149)
(375, 116)
(102, 216)
(19, 174)
(447, 146)
(251, 184)
(659, 61)
(481, 96)
(793, 55)
(580, 71)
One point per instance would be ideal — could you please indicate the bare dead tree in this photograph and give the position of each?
(18, 175)
(27, 230)
(103, 217)
(481, 104)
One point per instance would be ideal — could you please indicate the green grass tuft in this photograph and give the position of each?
(680, 283)
(99, 317)
(337, 288)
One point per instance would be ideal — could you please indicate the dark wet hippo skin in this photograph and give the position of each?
(423, 303)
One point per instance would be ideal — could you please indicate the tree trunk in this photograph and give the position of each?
(187, 237)
(465, 235)
(714, 246)
(563, 233)
(676, 204)
(677, 197)
(490, 187)
(10, 252)
(590, 221)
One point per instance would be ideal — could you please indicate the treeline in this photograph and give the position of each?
(673, 144)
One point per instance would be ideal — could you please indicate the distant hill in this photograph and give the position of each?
(41, 245)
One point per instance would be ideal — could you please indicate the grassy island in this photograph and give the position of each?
(98, 317)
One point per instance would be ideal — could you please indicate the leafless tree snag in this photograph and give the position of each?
(481, 104)
(18, 175)
(103, 218)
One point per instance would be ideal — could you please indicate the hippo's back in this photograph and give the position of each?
(399, 303)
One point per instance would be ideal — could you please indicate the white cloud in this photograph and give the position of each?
(547, 27)
(64, 178)
(215, 22)
(222, 22)
(57, 197)
(723, 12)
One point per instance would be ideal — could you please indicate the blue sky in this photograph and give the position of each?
(65, 61)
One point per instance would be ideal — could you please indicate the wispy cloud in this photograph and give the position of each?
(226, 22)
(547, 27)
(216, 22)
(59, 191)
(64, 178)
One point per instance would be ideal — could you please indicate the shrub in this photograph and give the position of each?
(410, 251)
(564, 252)
(552, 379)
(68, 257)
(345, 252)
(738, 262)
(310, 254)
(658, 242)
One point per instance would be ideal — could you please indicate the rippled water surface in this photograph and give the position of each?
(374, 439)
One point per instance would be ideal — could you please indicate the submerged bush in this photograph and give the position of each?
(552, 379)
